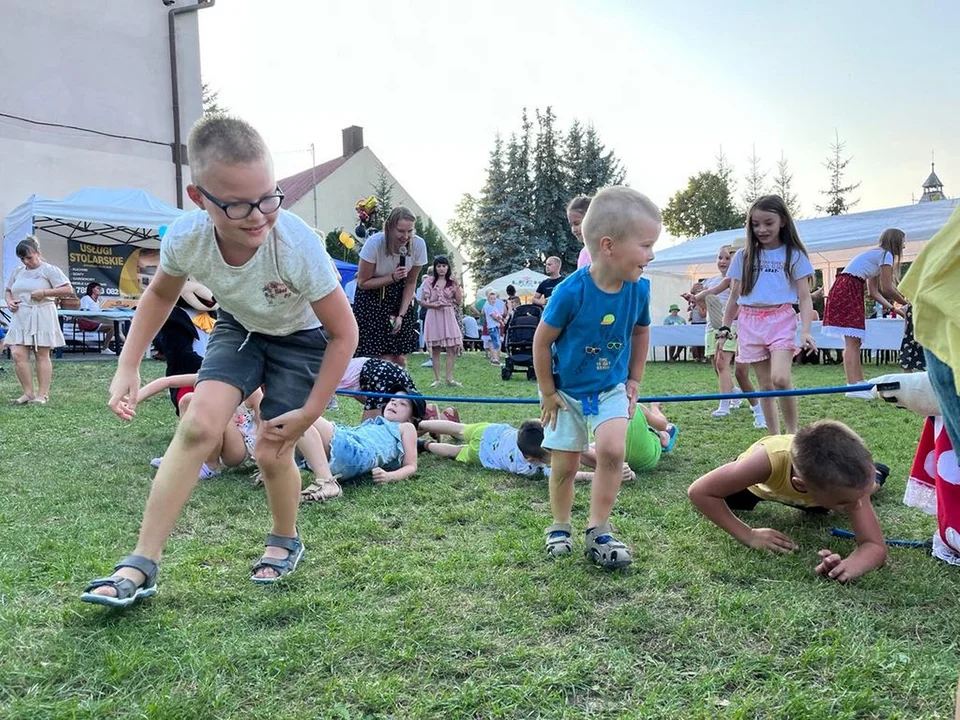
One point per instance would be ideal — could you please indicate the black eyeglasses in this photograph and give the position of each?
(267, 205)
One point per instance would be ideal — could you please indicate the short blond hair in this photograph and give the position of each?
(223, 139)
(613, 212)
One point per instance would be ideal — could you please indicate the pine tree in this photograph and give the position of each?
(383, 191)
(573, 161)
(782, 186)
(724, 171)
(209, 99)
(756, 181)
(549, 232)
(463, 227)
(837, 203)
(513, 251)
(491, 209)
(600, 169)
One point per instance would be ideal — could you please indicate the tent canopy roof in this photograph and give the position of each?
(524, 280)
(828, 239)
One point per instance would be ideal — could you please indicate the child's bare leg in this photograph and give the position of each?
(770, 411)
(443, 427)
(447, 450)
(315, 447)
(281, 478)
(781, 364)
(655, 417)
(212, 460)
(233, 450)
(742, 371)
(199, 431)
(610, 447)
(563, 471)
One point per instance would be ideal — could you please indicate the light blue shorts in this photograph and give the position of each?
(572, 433)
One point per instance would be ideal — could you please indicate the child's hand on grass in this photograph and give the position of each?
(628, 474)
(381, 476)
(770, 539)
(833, 566)
(550, 405)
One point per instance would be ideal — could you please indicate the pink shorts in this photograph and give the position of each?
(760, 330)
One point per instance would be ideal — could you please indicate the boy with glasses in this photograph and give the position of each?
(275, 285)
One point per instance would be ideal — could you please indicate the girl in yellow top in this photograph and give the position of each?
(825, 465)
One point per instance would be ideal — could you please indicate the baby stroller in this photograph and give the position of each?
(518, 340)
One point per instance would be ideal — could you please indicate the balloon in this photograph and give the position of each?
(346, 239)
(162, 230)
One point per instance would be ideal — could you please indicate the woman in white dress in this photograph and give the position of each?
(30, 294)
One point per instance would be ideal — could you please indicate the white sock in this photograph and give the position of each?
(758, 409)
(724, 406)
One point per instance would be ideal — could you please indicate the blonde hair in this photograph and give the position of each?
(393, 219)
(223, 139)
(892, 240)
(613, 212)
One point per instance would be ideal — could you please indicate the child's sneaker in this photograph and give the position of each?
(736, 403)
(605, 550)
(559, 541)
(155, 463)
(720, 412)
(759, 421)
(206, 473)
(882, 472)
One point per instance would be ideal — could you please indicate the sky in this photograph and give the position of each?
(666, 85)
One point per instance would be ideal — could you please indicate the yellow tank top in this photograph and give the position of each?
(777, 487)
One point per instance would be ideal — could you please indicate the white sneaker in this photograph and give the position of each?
(155, 463)
(720, 412)
(206, 473)
(334, 404)
(860, 395)
(428, 363)
(759, 422)
(735, 404)
(107, 351)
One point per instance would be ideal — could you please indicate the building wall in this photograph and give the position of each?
(100, 65)
(337, 197)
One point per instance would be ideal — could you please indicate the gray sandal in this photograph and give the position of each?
(605, 550)
(559, 540)
(128, 592)
(283, 566)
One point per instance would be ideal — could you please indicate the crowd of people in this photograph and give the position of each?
(276, 358)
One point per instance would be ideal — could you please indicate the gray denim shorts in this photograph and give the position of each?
(285, 365)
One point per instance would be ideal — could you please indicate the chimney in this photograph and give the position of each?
(352, 140)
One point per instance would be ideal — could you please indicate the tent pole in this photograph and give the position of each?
(175, 90)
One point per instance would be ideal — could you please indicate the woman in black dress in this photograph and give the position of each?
(390, 263)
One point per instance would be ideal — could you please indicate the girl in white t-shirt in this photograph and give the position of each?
(877, 270)
(715, 293)
(768, 277)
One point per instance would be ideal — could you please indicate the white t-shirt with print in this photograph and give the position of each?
(375, 251)
(270, 293)
(88, 304)
(773, 287)
(499, 451)
(867, 264)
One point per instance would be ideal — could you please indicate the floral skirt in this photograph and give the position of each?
(845, 314)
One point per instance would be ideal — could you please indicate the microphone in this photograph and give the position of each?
(403, 255)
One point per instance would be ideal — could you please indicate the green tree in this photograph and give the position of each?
(489, 222)
(210, 100)
(383, 190)
(783, 186)
(549, 234)
(338, 250)
(426, 229)
(703, 207)
(573, 161)
(837, 203)
(756, 181)
(600, 166)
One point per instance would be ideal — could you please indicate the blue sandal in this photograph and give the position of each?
(673, 432)
(128, 592)
(283, 566)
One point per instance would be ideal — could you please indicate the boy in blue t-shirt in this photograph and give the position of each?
(589, 352)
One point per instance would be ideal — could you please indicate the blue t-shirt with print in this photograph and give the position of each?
(592, 353)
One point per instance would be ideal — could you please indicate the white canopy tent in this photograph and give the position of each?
(831, 242)
(524, 280)
(99, 216)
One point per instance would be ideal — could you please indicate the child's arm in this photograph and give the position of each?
(639, 345)
(873, 287)
(730, 311)
(253, 402)
(408, 435)
(708, 492)
(807, 343)
(550, 402)
(165, 383)
(152, 311)
(715, 290)
(871, 551)
(338, 322)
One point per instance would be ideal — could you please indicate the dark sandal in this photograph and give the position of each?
(321, 490)
(605, 550)
(559, 540)
(128, 592)
(283, 566)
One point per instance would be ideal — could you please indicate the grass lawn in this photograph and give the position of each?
(431, 598)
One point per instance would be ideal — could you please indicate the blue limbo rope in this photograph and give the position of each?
(655, 398)
(841, 533)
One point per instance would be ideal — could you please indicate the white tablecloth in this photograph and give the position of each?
(883, 334)
(98, 315)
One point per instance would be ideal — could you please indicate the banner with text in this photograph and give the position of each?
(123, 270)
